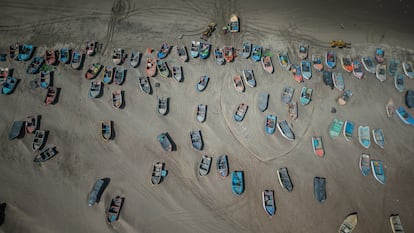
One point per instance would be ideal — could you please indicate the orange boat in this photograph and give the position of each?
(317, 146)
(238, 83)
(346, 62)
(151, 67)
(267, 64)
(51, 95)
(228, 53)
(297, 73)
(50, 57)
(31, 123)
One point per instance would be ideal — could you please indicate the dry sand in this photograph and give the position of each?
(53, 197)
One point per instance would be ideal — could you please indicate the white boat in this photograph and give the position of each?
(396, 224)
(285, 130)
(364, 136)
(338, 81)
(399, 82)
(249, 77)
(378, 136)
(177, 73)
(162, 105)
(368, 64)
(348, 224)
(381, 72)
(134, 59)
(408, 69)
(201, 111)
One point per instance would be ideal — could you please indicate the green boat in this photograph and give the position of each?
(336, 128)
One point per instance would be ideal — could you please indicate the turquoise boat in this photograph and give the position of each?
(237, 182)
(364, 136)
(257, 53)
(305, 95)
(364, 164)
(195, 49)
(404, 116)
(25, 52)
(270, 124)
(64, 55)
(204, 50)
(9, 85)
(330, 59)
(164, 51)
(349, 130)
(268, 200)
(35, 65)
(393, 66)
(336, 128)
(284, 61)
(378, 170)
(306, 69)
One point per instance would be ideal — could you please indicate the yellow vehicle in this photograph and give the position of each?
(207, 33)
(340, 44)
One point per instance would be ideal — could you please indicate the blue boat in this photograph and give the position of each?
(330, 59)
(306, 69)
(9, 85)
(378, 170)
(204, 50)
(237, 182)
(305, 95)
(195, 49)
(257, 52)
(319, 188)
(163, 52)
(268, 200)
(379, 55)
(25, 52)
(270, 124)
(64, 55)
(35, 65)
(393, 66)
(284, 61)
(349, 130)
(405, 116)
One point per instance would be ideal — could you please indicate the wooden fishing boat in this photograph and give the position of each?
(237, 182)
(238, 83)
(96, 192)
(117, 99)
(45, 155)
(114, 209)
(381, 72)
(240, 112)
(270, 124)
(404, 116)
(164, 51)
(409, 98)
(144, 85)
(16, 130)
(284, 179)
(364, 136)
(364, 164)
(396, 224)
(196, 139)
(393, 66)
(204, 50)
(408, 69)
(303, 51)
(338, 81)
(135, 58)
(93, 71)
(346, 63)
(157, 173)
(284, 61)
(165, 142)
(348, 224)
(219, 57)
(330, 59)
(223, 165)
(151, 67)
(357, 69)
(378, 136)
(378, 170)
(162, 106)
(268, 200)
(77, 59)
(50, 57)
(45, 79)
(262, 101)
(108, 74)
(234, 23)
(228, 53)
(95, 89)
(202, 83)
(317, 62)
(246, 49)
(287, 94)
(31, 123)
(182, 53)
(344, 98)
(201, 111)
(35, 65)
(14, 51)
(39, 139)
(297, 73)
(163, 69)
(399, 82)
(106, 130)
(177, 73)
(390, 108)
(305, 95)
(118, 56)
(25, 52)
(306, 69)
(379, 55)
(285, 130)
(293, 110)
(4, 73)
(9, 85)
(90, 47)
(368, 64)
(257, 51)
(119, 75)
(195, 49)
(348, 130)
(267, 64)
(205, 164)
(319, 188)
(317, 146)
(50, 95)
(64, 55)
(336, 128)
(249, 78)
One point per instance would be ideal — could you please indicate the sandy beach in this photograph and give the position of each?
(52, 196)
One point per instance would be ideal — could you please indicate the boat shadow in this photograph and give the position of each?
(39, 121)
(123, 100)
(105, 184)
(58, 90)
(2, 212)
(113, 134)
(173, 144)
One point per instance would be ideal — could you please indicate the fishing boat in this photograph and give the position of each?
(390, 108)
(284, 61)
(246, 49)
(90, 47)
(119, 75)
(344, 98)
(364, 164)
(408, 69)
(223, 165)
(270, 124)
(45, 79)
(228, 53)
(285, 130)
(381, 72)
(399, 82)
(379, 55)
(330, 59)
(201, 111)
(144, 85)
(45, 155)
(157, 173)
(297, 73)
(205, 164)
(108, 74)
(396, 224)
(268, 200)
(357, 69)
(409, 98)
(135, 58)
(164, 51)
(336, 128)
(162, 106)
(306, 69)
(64, 55)
(4, 73)
(106, 130)
(16, 130)
(114, 209)
(404, 116)
(364, 136)
(118, 56)
(35, 65)
(31, 123)
(284, 179)
(234, 23)
(39, 139)
(368, 64)
(240, 112)
(14, 51)
(93, 71)
(117, 99)
(9, 85)
(317, 62)
(262, 101)
(163, 69)
(305, 95)
(25, 52)
(196, 139)
(349, 223)
(348, 130)
(195, 49)
(238, 83)
(267, 64)
(393, 66)
(287, 94)
(151, 67)
(378, 170)
(237, 182)
(317, 146)
(204, 50)
(202, 83)
(96, 192)
(50, 57)
(378, 136)
(177, 73)
(257, 51)
(51, 95)
(219, 57)
(319, 188)
(95, 89)
(248, 76)
(338, 81)
(303, 51)
(293, 110)
(165, 142)
(346, 63)
(182, 53)
(77, 59)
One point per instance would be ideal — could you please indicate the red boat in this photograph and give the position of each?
(151, 67)
(31, 123)
(228, 53)
(51, 95)
(50, 57)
